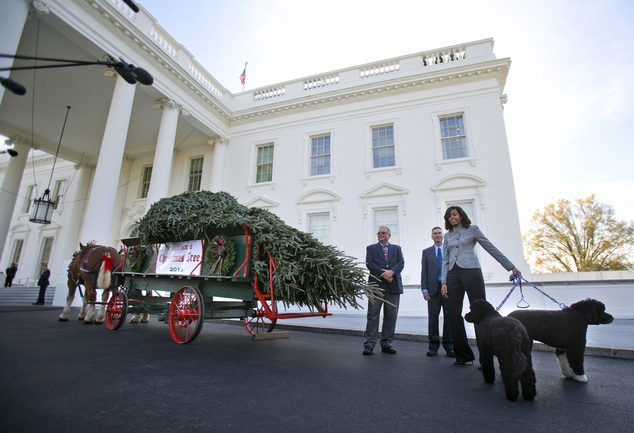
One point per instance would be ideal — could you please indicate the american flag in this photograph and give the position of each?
(243, 75)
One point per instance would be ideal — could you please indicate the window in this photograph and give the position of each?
(58, 192)
(146, 176)
(453, 137)
(264, 164)
(195, 174)
(383, 146)
(47, 246)
(320, 155)
(387, 218)
(319, 227)
(467, 207)
(17, 251)
(30, 192)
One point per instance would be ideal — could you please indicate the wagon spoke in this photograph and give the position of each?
(186, 315)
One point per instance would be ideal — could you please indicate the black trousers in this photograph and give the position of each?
(459, 282)
(435, 303)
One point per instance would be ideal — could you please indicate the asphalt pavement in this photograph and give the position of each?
(67, 376)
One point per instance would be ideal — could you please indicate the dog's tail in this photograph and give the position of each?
(519, 362)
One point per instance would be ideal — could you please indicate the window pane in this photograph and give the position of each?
(195, 174)
(58, 194)
(383, 147)
(388, 218)
(26, 206)
(146, 177)
(320, 156)
(17, 251)
(319, 227)
(46, 251)
(453, 137)
(264, 166)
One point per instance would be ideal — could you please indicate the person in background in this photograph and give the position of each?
(431, 287)
(385, 263)
(461, 273)
(11, 271)
(43, 283)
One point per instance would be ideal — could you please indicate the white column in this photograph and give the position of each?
(218, 165)
(11, 187)
(12, 19)
(104, 187)
(162, 167)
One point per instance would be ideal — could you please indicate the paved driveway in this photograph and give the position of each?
(68, 377)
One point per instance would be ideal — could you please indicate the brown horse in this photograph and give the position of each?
(90, 268)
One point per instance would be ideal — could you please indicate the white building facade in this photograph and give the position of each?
(336, 154)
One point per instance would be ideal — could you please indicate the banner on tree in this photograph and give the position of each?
(180, 258)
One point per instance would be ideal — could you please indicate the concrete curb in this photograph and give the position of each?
(590, 351)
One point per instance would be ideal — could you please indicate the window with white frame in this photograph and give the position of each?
(453, 137)
(58, 193)
(28, 199)
(467, 207)
(320, 155)
(387, 217)
(383, 146)
(264, 164)
(47, 247)
(17, 251)
(195, 174)
(146, 176)
(319, 227)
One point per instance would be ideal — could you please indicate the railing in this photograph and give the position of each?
(201, 75)
(379, 69)
(446, 56)
(317, 82)
(124, 8)
(164, 41)
(268, 93)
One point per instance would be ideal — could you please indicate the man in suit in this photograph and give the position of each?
(430, 282)
(43, 283)
(385, 263)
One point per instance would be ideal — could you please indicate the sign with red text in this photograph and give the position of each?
(180, 258)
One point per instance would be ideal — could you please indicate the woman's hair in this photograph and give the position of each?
(464, 219)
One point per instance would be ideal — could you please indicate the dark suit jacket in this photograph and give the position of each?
(429, 271)
(375, 261)
(43, 281)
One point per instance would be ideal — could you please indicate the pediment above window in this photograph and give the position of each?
(262, 203)
(384, 189)
(318, 196)
(458, 182)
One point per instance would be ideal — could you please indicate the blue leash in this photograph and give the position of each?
(517, 281)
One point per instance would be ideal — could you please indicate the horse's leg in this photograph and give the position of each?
(72, 286)
(91, 297)
(146, 316)
(82, 311)
(102, 308)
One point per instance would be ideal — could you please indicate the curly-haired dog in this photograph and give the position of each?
(565, 330)
(507, 339)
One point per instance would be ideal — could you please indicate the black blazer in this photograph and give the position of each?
(429, 271)
(375, 262)
(43, 281)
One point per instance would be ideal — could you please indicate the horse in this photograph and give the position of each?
(91, 267)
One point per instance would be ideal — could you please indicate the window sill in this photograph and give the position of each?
(330, 177)
(471, 160)
(396, 169)
(261, 185)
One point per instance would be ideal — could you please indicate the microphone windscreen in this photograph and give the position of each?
(125, 73)
(143, 76)
(131, 5)
(12, 152)
(13, 86)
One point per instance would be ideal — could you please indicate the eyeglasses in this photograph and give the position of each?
(382, 233)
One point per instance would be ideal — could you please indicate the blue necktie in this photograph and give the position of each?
(439, 260)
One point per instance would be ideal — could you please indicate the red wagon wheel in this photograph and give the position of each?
(260, 322)
(117, 310)
(186, 315)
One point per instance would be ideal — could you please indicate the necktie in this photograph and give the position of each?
(439, 260)
(385, 252)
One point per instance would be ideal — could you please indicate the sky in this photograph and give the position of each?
(570, 102)
(570, 106)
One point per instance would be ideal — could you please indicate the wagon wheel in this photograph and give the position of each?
(260, 322)
(186, 315)
(117, 310)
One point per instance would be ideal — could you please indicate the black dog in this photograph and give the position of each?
(565, 330)
(507, 339)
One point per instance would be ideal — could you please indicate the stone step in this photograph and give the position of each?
(24, 295)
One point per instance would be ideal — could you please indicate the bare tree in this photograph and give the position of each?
(581, 236)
